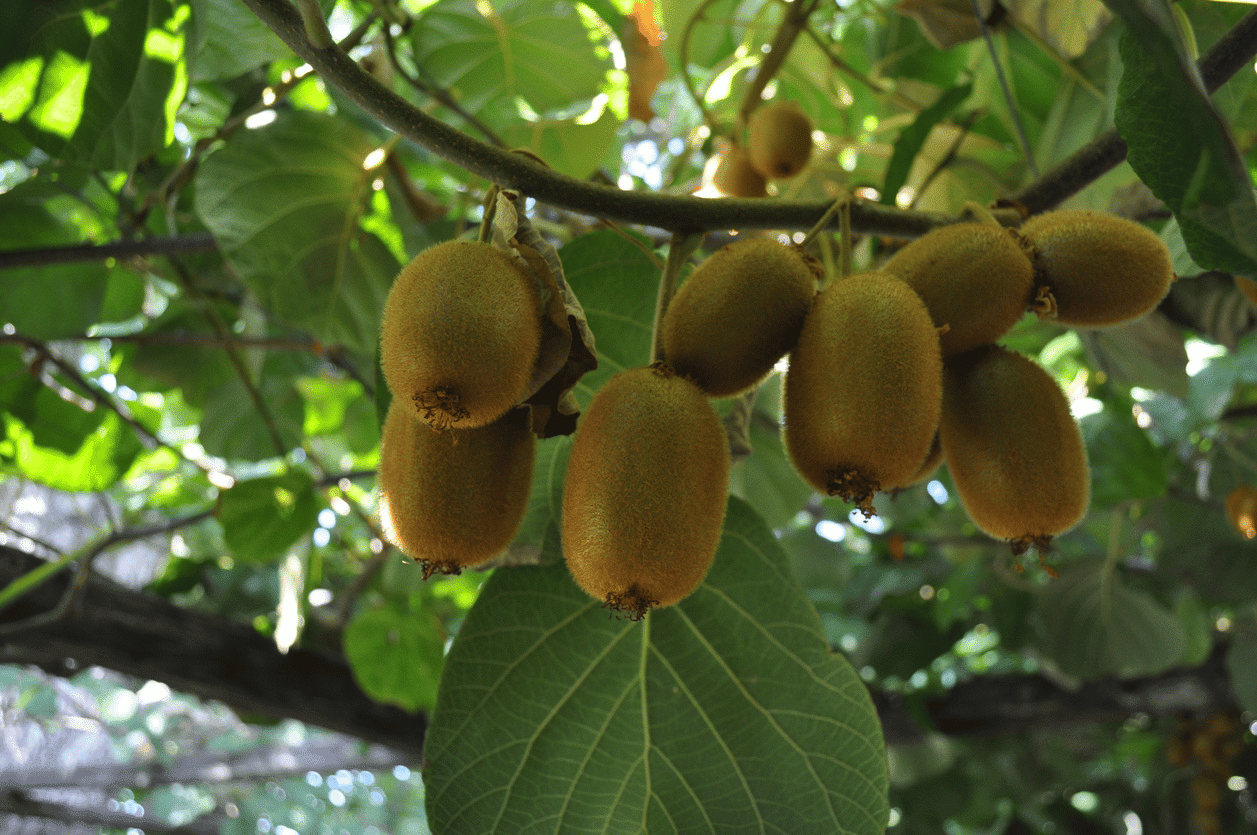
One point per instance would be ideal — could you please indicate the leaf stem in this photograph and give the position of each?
(680, 249)
(794, 23)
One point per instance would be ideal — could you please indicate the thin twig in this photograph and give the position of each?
(792, 25)
(684, 53)
(851, 72)
(433, 90)
(91, 391)
(1233, 51)
(84, 554)
(1013, 110)
(42, 256)
(679, 251)
(233, 356)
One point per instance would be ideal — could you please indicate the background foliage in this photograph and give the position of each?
(189, 405)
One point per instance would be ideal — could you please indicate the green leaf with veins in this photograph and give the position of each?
(284, 204)
(1179, 145)
(725, 713)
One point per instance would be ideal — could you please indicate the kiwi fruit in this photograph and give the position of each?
(1247, 287)
(933, 460)
(779, 139)
(1241, 510)
(739, 313)
(461, 333)
(1012, 447)
(647, 484)
(454, 499)
(864, 389)
(736, 177)
(973, 277)
(1095, 269)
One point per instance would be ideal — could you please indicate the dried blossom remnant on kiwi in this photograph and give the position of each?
(440, 407)
(431, 567)
(852, 487)
(632, 604)
(1044, 304)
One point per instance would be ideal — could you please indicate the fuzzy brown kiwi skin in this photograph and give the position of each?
(779, 139)
(1094, 269)
(864, 389)
(1014, 451)
(646, 489)
(973, 277)
(454, 499)
(736, 177)
(739, 313)
(460, 334)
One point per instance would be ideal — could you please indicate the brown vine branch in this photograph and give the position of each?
(149, 637)
(43, 256)
(690, 214)
(671, 212)
(1234, 51)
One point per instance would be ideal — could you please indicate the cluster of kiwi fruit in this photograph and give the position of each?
(898, 370)
(778, 147)
(460, 334)
(647, 480)
(891, 372)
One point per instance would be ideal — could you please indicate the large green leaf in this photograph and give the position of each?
(55, 300)
(101, 85)
(231, 427)
(617, 283)
(1179, 145)
(396, 655)
(263, 517)
(725, 713)
(98, 463)
(1125, 464)
(284, 204)
(1093, 626)
(539, 53)
(225, 41)
(913, 137)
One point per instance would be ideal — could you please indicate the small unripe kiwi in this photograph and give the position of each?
(1241, 510)
(1012, 447)
(647, 484)
(453, 499)
(973, 277)
(740, 311)
(736, 177)
(1096, 269)
(461, 333)
(863, 392)
(779, 139)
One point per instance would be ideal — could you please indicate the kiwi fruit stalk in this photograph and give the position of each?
(1095, 269)
(453, 499)
(647, 484)
(460, 335)
(779, 139)
(973, 277)
(739, 313)
(864, 389)
(1014, 451)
